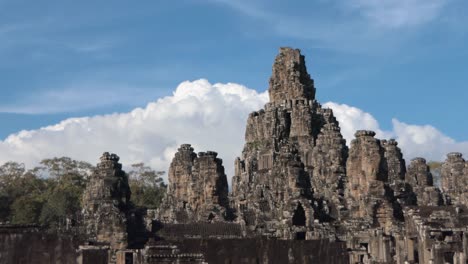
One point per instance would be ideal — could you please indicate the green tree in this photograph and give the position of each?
(9, 173)
(58, 168)
(27, 198)
(26, 209)
(21, 194)
(51, 193)
(146, 185)
(67, 180)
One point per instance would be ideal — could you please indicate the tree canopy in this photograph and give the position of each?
(146, 185)
(51, 193)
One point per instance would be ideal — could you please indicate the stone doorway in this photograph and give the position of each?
(299, 217)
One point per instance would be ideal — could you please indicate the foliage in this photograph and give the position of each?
(51, 193)
(47, 195)
(146, 185)
(26, 209)
(66, 167)
(21, 194)
(66, 184)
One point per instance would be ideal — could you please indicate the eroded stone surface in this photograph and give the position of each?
(455, 179)
(328, 166)
(369, 194)
(291, 171)
(394, 162)
(105, 203)
(290, 79)
(421, 181)
(198, 188)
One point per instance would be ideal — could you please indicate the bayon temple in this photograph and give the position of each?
(299, 194)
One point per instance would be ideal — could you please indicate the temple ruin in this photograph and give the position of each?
(299, 194)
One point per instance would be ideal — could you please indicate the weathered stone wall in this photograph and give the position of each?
(31, 245)
(370, 246)
(436, 234)
(328, 166)
(271, 251)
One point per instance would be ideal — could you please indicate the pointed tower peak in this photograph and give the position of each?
(289, 79)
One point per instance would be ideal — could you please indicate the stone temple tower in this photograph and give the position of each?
(105, 203)
(291, 171)
(197, 190)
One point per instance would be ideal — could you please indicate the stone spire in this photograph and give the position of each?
(394, 162)
(364, 167)
(368, 192)
(420, 178)
(418, 173)
(454, 179)
(290, 79)
(290, 144)
(198, 188)
(105, 203)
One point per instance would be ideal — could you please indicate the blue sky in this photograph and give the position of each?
(392, 58)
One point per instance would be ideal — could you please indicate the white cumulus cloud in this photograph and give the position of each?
(414, 140)
(426, 141)
(209, 116)
(352, 119)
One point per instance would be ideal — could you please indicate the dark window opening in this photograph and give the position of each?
(365, 246)
(299, 217)
(448, 257)
(211, 217)
(415, 250)
(128, 258)
(416, 256)
(300, 235)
